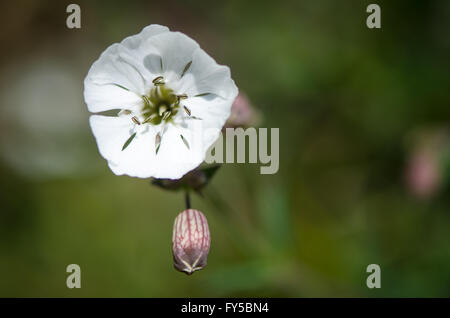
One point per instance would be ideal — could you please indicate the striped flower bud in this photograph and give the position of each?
(190, 241)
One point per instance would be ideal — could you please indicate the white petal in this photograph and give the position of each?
(134, 42)
(108, 96)
(111, 133)
(176, 50)
(213, 111)
(114, 81)
(142, 47)
(206, 76)
(139, 159)
(174, 158)
(131, 64)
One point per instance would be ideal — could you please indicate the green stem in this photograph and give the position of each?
(187, 199)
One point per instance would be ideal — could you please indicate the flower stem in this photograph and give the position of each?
(187, 199)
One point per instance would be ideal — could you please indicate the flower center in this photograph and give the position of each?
(161, 104)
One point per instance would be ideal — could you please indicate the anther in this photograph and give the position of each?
(166, 115)
(135, 120)
(124, 112)
(149, 118)
(146, 100)
(157, 142)
(158, 80)
(187, 110)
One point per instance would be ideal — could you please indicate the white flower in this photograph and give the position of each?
(172, 100)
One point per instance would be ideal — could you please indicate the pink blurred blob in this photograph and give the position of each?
(423, 174)
(243, 113)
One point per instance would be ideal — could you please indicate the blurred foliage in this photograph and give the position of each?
(346, 99)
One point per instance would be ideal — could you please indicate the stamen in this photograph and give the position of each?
(187, 110)
(180, 97)
(122, 87)
(147, 100)
(188, 65)
(158, 81)
(160, 103)
(124, 112)
(185, 142)
(129, 140)
(135, 120)
(166, 115)
(157, 142)
(149, 118)
(202, 94)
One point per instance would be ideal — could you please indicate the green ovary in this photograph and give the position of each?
(161, 104)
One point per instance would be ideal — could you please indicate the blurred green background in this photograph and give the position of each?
(364, 154)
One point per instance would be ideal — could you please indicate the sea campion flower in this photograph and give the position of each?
(191, 241)
(172, 100)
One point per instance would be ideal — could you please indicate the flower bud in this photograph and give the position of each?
(190, 241)
(243, 114)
